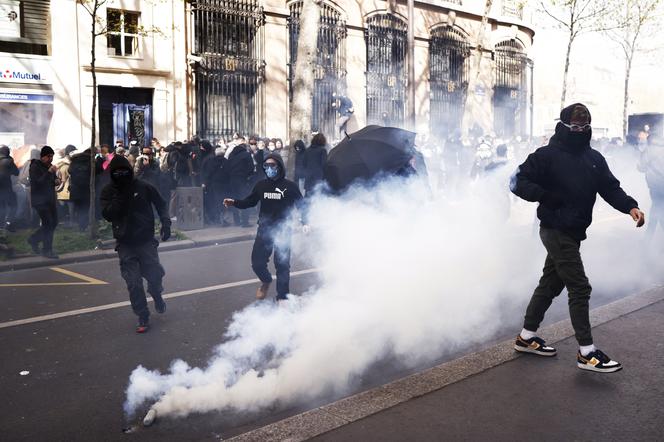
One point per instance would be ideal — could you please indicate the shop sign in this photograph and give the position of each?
(24, 70)
(12, 97)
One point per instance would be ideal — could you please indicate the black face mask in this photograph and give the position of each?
(122, 177)
(579, 140)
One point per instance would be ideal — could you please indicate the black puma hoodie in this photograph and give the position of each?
(277, 196)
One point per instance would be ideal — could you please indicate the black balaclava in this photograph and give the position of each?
(574, 140)
(119, 162)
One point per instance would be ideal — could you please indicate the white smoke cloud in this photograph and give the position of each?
(403, 275)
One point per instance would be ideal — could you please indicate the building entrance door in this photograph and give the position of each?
(125, 114)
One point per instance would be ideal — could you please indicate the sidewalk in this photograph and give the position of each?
(499, 395)
(195, 238)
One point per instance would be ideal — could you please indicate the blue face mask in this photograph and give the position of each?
(271, 172)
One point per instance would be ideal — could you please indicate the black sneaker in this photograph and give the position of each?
(159, 304)
(534, 345)
(49, 254)
(597, 361)
(143, 325)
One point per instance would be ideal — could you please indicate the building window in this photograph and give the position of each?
(386, 39)
(10, 18)
(123, 32)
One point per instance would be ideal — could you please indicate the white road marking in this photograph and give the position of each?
(100, 308)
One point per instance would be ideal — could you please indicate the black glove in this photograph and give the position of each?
(552, 200)
(165, 232)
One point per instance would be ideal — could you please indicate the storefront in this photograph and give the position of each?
(26, 100)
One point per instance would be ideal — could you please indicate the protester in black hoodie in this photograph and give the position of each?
(278, 196)
(127, 203)
(565, 177)
(43, 180)
(314, 162)
(8, 204)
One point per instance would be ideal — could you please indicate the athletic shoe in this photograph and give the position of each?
(143, 325)
(49, 254)
(534, 345)
(34, 245)
(261, 293)
(159, 304)
(597, 361)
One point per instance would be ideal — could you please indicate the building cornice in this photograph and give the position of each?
(132, 71)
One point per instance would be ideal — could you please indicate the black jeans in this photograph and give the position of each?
(138, 262)
(264, 245)
(49, 221)
(7, 207)
(563, 268)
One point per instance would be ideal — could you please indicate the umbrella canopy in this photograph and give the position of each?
(367, 153)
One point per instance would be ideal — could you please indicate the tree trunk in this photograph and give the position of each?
(473, 78)
(628, 71)
(92, 217)
(303, 78)
(563, 96)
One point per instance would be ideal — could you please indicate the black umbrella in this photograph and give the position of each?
(368, 152)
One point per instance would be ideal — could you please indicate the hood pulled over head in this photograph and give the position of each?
(282, 170)
(573, 141)
(117, 165)
(4, 151)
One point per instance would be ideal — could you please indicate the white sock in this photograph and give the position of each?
(587, 349)
(527, 334)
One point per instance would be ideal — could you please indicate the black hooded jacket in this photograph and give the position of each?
(42, 184)
(129, 207)
(277, 197)
(7, 170)
(573, 173)
(314, 165)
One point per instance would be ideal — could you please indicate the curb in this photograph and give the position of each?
(345, 411)
(98, 255)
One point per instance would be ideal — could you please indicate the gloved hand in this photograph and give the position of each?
(165, 232)
(552, 200)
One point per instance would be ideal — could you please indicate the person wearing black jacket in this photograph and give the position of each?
(79, 185)
(299, 173)
(314, 162)
(278, 196)
(565, 177)
(212, 179)
(127, 203)
(8, 204)
(43, 180)
(240, 168)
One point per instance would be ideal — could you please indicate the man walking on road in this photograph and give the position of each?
(127, 203)
(278, 196)
(43, 181)
(565, 177)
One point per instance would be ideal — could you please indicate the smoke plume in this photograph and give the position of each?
(405, 275)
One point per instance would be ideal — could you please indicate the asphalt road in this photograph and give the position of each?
(79, 364)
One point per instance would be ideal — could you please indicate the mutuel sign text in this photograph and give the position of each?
(18, 75)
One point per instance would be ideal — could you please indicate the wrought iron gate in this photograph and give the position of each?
(510, 94)
(448, 77)
(330, 69)
(229, 77)
(386, 37)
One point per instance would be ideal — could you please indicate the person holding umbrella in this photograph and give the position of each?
(278, 196)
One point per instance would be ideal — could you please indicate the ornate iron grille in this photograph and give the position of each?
(448, 77)
(386, 37)
(330, 68)
(511, 89)
(229, 77)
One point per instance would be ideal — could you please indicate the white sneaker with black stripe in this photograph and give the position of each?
(534, 345)
(598, 362)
